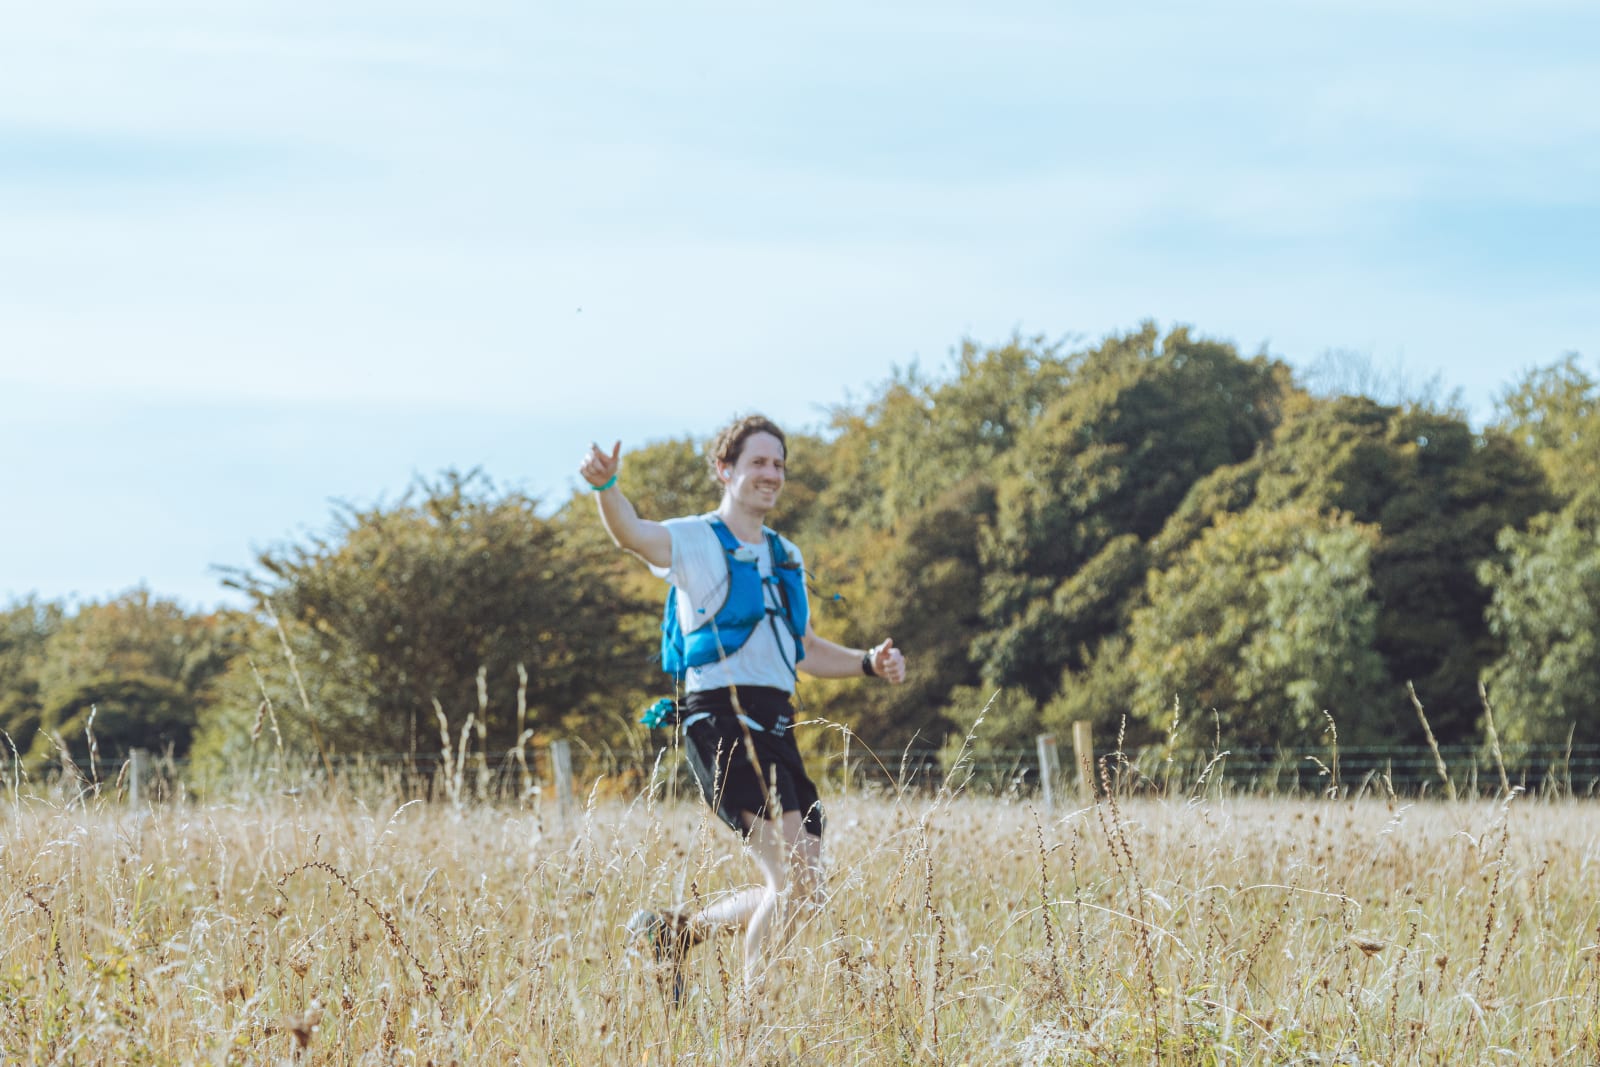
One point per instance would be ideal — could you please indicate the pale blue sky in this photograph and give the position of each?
(255, 256)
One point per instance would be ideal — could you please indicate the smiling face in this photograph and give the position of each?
(754, 480)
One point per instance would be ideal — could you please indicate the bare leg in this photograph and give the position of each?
(767, 845)
(730, 911)
(734, 910)
(790, 860)
(780, 853)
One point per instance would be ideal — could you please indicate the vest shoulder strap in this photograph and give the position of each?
(775, 543)
(724, 535)
(732, 544)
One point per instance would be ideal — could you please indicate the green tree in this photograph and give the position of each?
(1554, 412)
(1546, 610)
(141, 664)
(258, 706)
(1111, 458)
(978, 415)
(1454, 492)
(918, 437)
(26, 628)
(406, 603)
(875, 462)
(123, 712)
(922, 587)
(1268, 620)
(1438, 493)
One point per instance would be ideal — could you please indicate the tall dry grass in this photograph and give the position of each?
(357, 927)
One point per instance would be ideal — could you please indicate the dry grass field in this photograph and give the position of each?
(354, 926)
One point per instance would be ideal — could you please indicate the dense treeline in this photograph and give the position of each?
(1153, 533)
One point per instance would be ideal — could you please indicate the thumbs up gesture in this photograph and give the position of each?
(888, 663)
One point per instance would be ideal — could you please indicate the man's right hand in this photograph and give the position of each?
(650, 541)
(598, 468)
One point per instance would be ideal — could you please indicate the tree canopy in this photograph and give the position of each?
(400, 606)
(1148, 532)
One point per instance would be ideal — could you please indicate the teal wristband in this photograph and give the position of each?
(609, 483)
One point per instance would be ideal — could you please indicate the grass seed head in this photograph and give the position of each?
(1369, 946)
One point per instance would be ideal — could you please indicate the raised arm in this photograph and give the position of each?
(650, 541)
(824, 659)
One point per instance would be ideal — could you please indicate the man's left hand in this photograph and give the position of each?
(888, 663)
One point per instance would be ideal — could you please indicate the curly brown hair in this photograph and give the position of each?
(727, 445)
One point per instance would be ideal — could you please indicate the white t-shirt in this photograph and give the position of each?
(700, 571)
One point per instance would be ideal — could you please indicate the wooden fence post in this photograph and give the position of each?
(844, 784)
(561, 766)
(1083, 757)
(1049, 769)
(136, 762)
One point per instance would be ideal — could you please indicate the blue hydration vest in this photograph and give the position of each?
(744, 608)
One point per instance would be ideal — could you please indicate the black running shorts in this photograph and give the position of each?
(717, 743)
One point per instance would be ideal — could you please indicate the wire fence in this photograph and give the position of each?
(567, 772)
(1572, 771)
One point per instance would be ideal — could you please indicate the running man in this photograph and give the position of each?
(740, 602)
